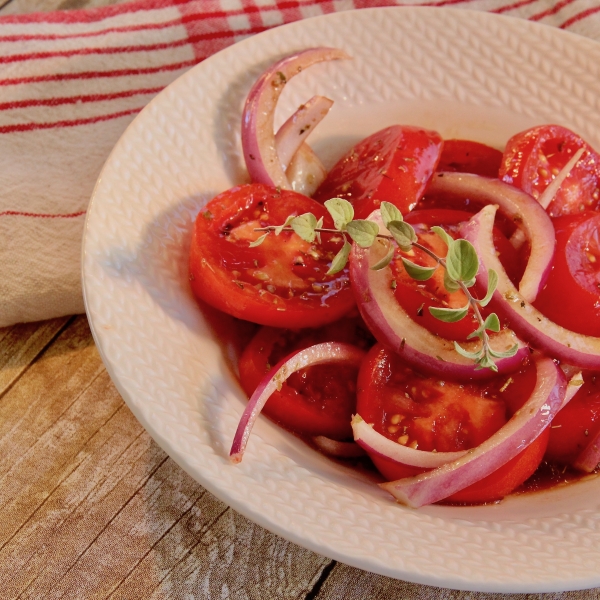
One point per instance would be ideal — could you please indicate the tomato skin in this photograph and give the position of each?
(394, 164)
(319, 400)
(576, 424)
(571, 294)
(466, 156)
(533, 158)
(279, 282)
(461, 417)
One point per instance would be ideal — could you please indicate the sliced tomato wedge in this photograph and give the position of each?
(318, 400)
(465, 156)
(533, 158)
(394, 164)
(571, 296)
(283, 280)
(576, 424)
(444, 416)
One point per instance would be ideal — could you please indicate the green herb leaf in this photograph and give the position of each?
(386, 260)
(465, 353)
(304, 226)
(280, 228)
(448, 239)
(363, 232)
(258, 241)
(461, 261)
(486, 362)
(340, 260)
(449, 315)
(449, 283)
(492, 283)
(389, 213)
(341, 212)
(510, 352)
(491, 323)
(403, 233)
(418, 272)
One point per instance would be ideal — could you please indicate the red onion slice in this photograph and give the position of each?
(306, 171)
(520, 207)
(576, 349)
(258, 137)
(394, 328)
(313, 355)
(293, 133)
(522, 429)
(338, 449)
(589, 458)
(376, 444)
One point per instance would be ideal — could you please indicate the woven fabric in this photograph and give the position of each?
(71, 82)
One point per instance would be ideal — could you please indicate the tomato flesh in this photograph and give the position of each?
(394, 165)
(576, 424)
(281, 281)
(318, 400)
(444, 416)
(571, 296)
(533, 158)
(465, 156)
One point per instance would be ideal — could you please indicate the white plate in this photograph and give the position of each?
(466, 74)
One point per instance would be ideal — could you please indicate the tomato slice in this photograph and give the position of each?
(576, 424)
(534, 157)
(429, 414)
(465, 156)
(284, 280)
(318, 400)
(394, 165)
(571, 296)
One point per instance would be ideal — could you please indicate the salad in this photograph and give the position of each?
(430, 303)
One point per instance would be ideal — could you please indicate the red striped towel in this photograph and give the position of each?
(70, 82)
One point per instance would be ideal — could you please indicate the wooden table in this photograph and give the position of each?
(91, 507)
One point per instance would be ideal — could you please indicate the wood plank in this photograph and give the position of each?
(21, 344)
(91, 506)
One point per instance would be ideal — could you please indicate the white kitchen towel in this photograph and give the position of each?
(71, 82)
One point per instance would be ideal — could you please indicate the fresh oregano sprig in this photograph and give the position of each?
(460, 264)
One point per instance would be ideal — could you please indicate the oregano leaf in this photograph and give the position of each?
(461, 261)
(280, 228)
(386, 260)
(389, 213)
(403, 233)
(258, 241)
(304, 226)
(492, 322)
(446, 237)
(341, 211)
(486, 362)
(465, 353)
(492, 283)
(341, 259)
(510, 352)
(449, 283)
(363, 232)
(418, 272)
(449, 315)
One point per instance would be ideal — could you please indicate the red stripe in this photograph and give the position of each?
(67, 123)
(580, 16)
(76, 99)
(18, 213)
(98, 74)
(551, 11)
(508, 7)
